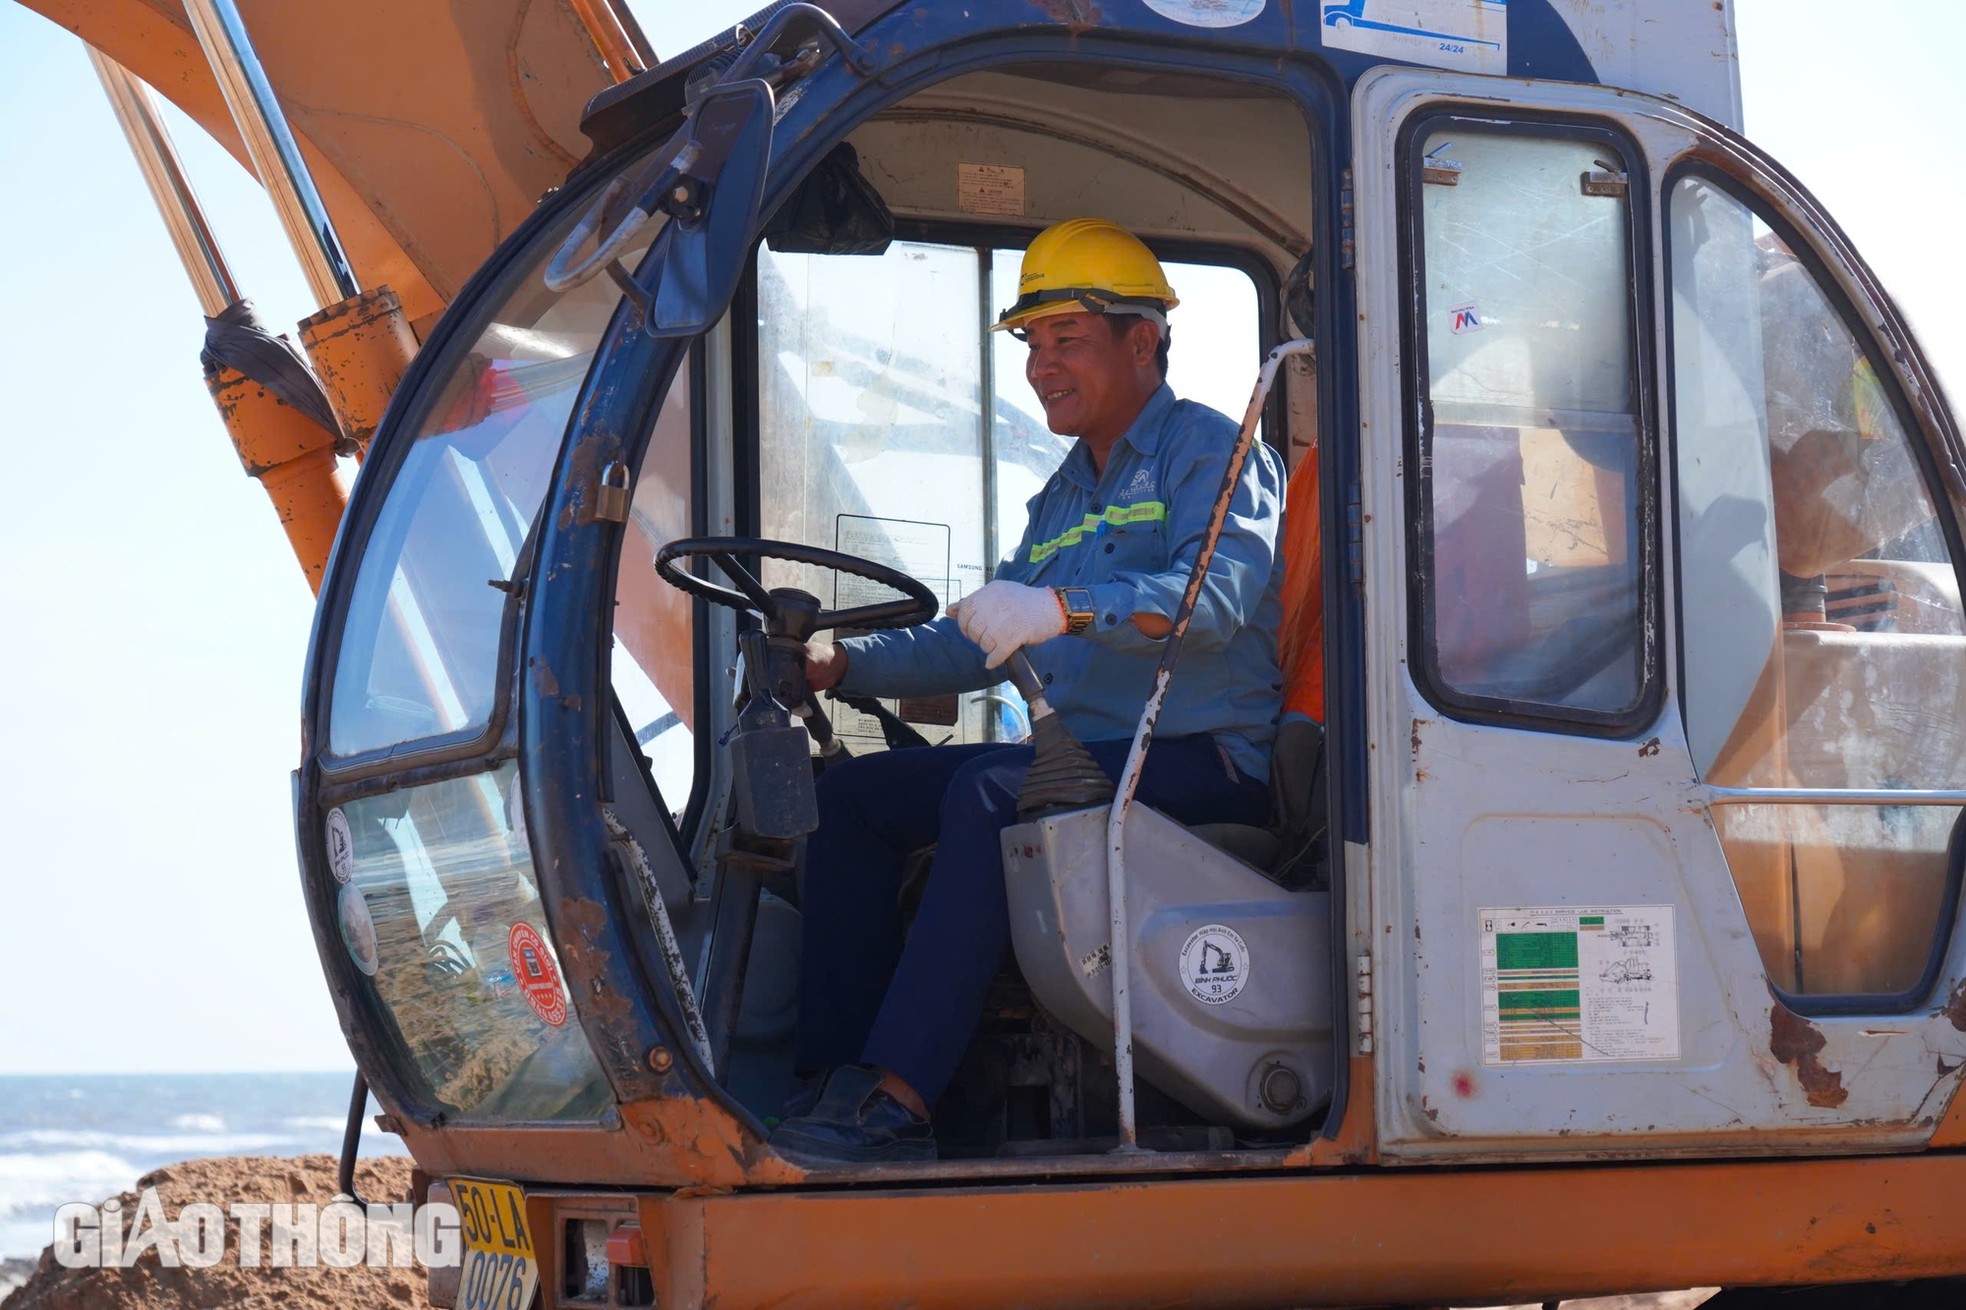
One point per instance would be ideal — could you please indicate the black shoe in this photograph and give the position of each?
(806, 1090)
(855, 1122)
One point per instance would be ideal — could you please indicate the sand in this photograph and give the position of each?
(147, 1286)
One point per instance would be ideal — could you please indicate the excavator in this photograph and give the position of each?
(1604, 935)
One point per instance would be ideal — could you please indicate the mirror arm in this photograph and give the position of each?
(781, 22)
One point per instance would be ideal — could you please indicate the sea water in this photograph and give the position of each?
(86, 1137)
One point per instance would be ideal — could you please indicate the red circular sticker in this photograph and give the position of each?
(538, 976)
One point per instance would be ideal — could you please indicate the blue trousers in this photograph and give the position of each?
(866, 997)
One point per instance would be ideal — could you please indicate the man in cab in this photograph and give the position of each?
(1090, 595)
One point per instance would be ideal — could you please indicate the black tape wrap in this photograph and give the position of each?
(236, 340)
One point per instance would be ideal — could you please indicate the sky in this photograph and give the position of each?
(155, 621)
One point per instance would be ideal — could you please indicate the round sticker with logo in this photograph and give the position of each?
(1207, 13)
(358, 930)
(1214, 964)
(341, 846)
(538, 976)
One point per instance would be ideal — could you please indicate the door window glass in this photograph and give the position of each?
(1530, 460)
(654, 665)
(1825, 646)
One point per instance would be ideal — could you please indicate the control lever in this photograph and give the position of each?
(1029, 685)
(1063, 775)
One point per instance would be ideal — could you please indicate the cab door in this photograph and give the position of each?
(1660, 551)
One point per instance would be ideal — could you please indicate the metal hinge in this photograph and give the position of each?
(1355, 537)
(1363, 998)
(1347, 233)
(1438, 170)
(1606, 180)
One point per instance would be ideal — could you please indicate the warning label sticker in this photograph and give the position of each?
(990, 189)
(537, 973)
(1574, 985)
(1214, 964)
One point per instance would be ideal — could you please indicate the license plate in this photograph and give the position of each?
(500, 1269)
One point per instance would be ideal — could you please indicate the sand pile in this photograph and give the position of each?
(149, 1286)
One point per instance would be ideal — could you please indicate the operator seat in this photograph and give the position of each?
(1292, 849)
(1233, 1006)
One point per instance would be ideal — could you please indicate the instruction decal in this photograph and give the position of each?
(1469, 35)
(1578, 985)
(990, 189)
(341, 846)
(358, 930)
(1208, 13)
(537, 973)
(1214, 964)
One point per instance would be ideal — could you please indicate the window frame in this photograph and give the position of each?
(417, 395)
(1641, 260)
(1919, 437)
(680, 820)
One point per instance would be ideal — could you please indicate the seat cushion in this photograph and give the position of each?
(1256, 847)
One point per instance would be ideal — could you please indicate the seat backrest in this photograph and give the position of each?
(1300, 641)
(1298, 807)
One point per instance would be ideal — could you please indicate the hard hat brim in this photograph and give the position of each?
(1080, 300)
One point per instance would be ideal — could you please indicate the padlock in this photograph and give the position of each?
(612, 502)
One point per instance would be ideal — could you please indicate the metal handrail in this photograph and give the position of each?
(1830, 796)
(1136, 758)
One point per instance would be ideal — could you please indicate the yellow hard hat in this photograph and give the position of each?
(1088, 266)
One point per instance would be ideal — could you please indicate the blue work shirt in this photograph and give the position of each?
(1131, 538)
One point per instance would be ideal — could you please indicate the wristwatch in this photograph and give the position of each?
(1077, 604)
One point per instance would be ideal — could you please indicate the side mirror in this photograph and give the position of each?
(710, 190)
(693, 271)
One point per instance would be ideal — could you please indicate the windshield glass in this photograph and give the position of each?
(419, 651)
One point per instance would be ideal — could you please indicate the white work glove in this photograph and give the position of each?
(1004, 616)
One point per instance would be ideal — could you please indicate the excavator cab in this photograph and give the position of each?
(1621, 823)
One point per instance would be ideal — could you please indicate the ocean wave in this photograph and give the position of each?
(187, 1145)
(317, 1122)
(199, 1123)
(41, 1182)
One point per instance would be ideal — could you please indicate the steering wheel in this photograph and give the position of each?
(779, 608)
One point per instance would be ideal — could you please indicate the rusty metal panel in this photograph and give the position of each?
(1399, 1237)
